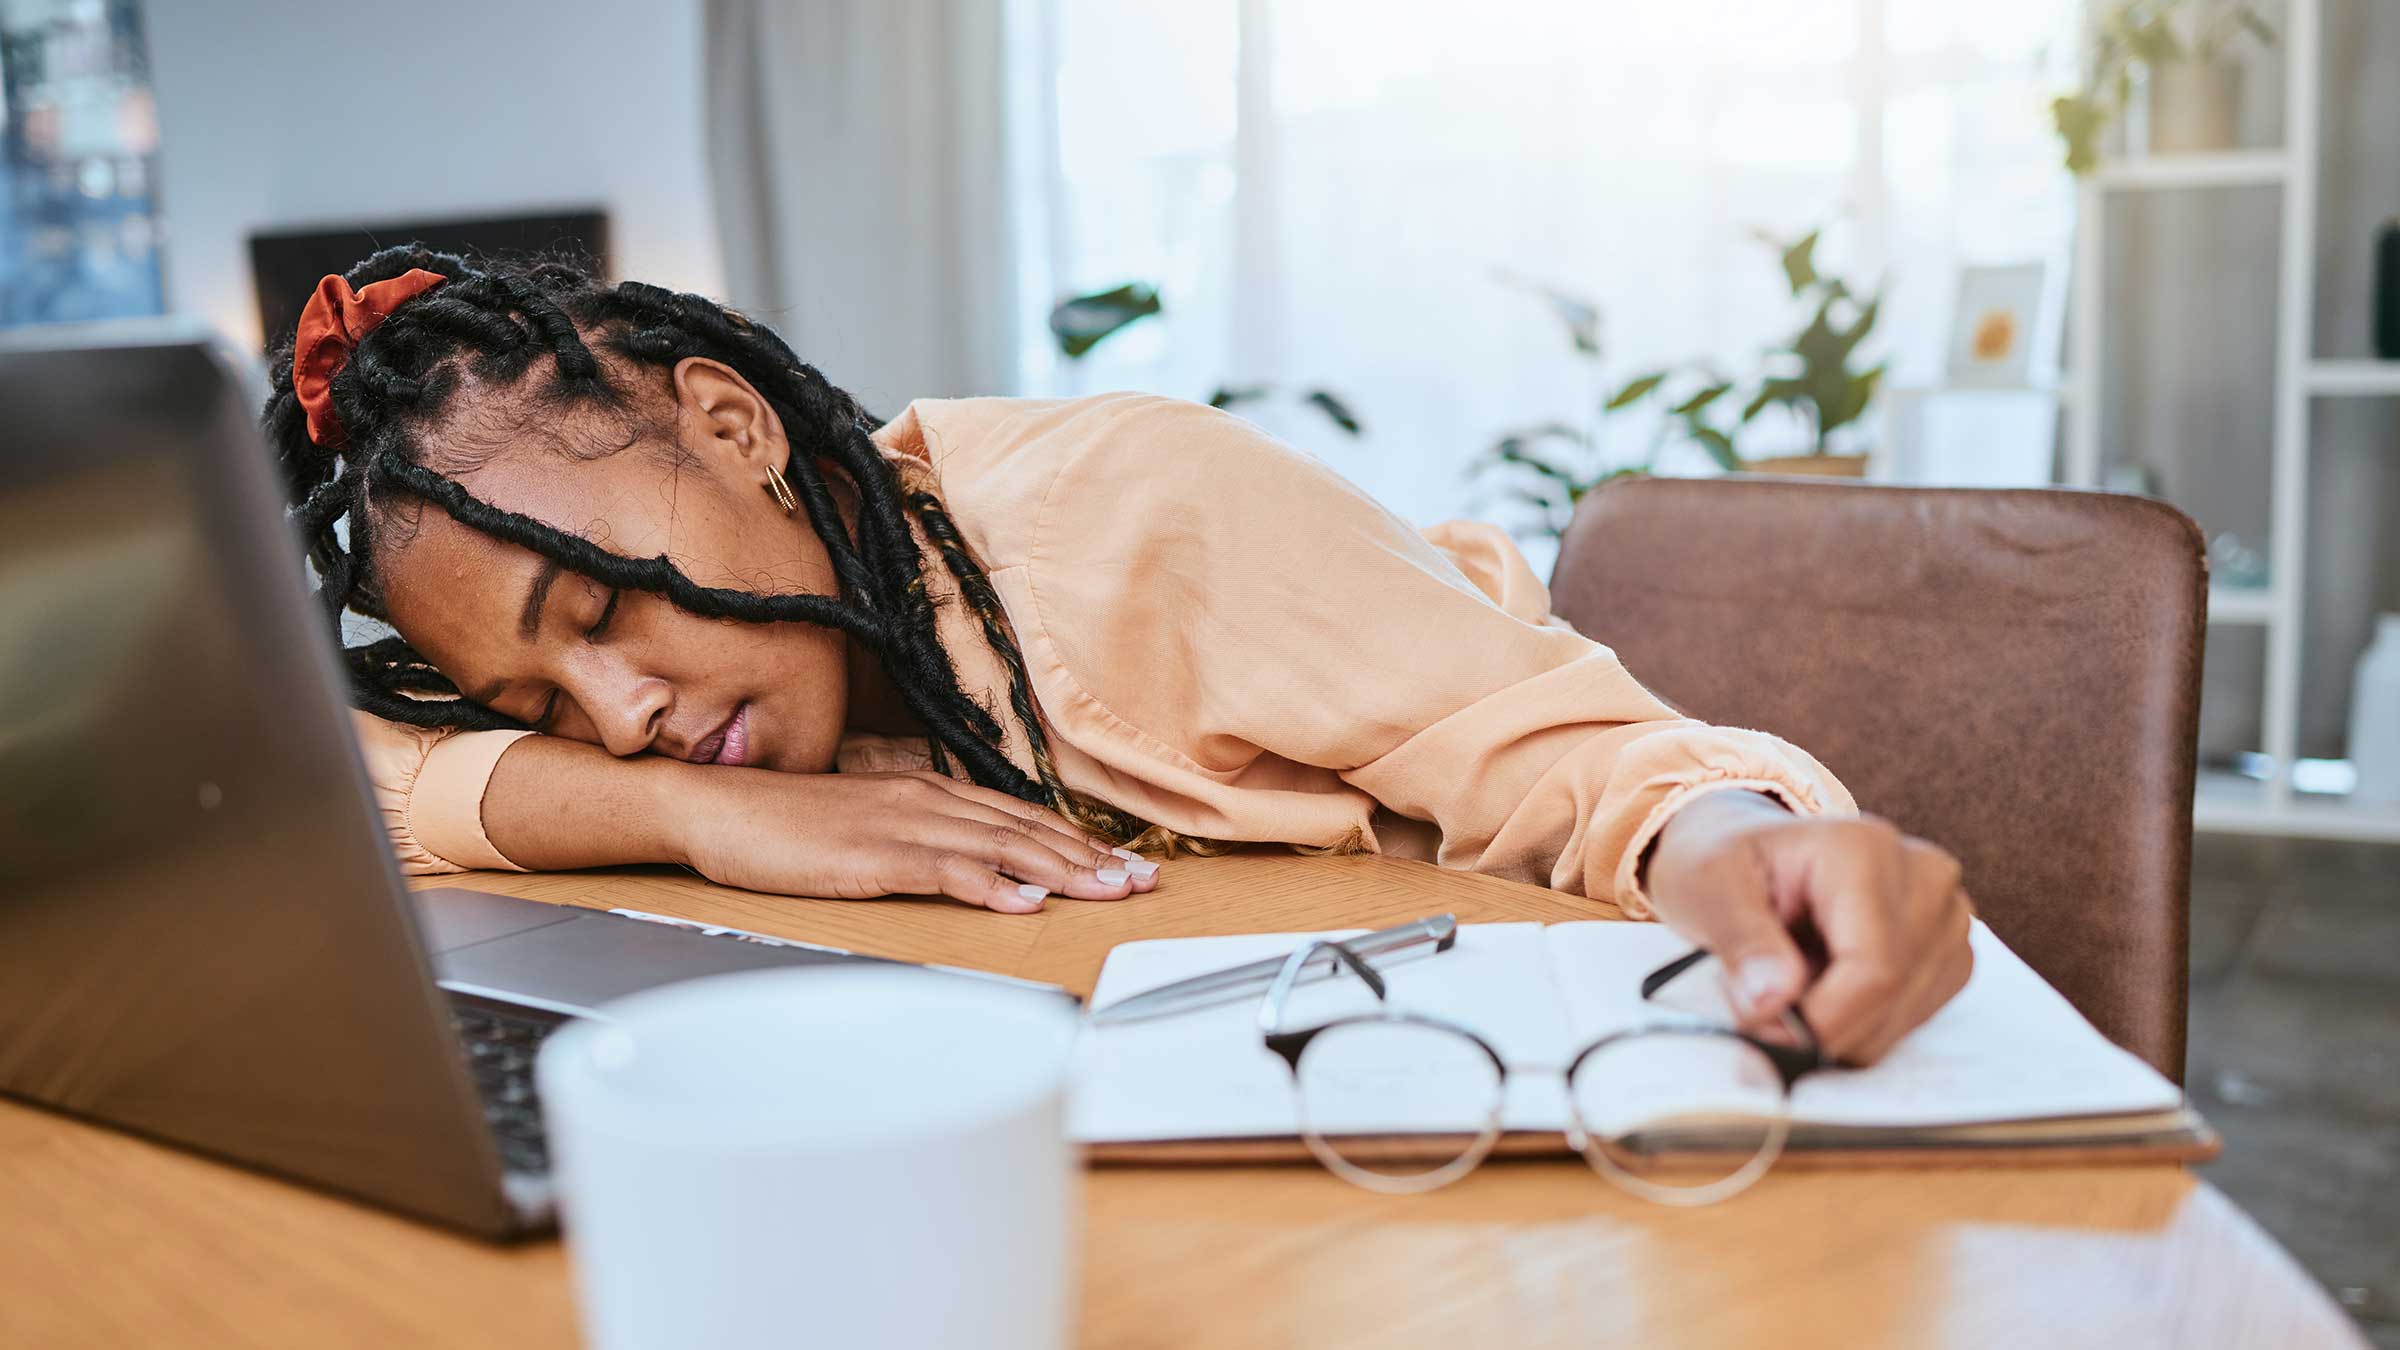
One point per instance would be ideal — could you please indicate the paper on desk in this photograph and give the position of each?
(2008, 1047)
(1207, 1074)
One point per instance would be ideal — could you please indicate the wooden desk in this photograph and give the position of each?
(108, 1241)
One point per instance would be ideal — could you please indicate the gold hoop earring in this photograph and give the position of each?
(781, 491)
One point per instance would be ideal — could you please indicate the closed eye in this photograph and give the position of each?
(598, 630)
(607, 612)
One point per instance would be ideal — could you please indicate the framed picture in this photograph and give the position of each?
(1992, 331)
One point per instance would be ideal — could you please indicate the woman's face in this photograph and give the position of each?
(628, 670)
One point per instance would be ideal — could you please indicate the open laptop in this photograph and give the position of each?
(203, 935)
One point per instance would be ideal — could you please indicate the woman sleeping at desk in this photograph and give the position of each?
(661, 593)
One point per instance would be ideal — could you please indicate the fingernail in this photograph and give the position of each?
(1111, 876)
(1142, 869)
(1127, 854)
(1760, 979)
(1034, 893)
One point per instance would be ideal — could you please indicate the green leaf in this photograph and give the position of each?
(2152, 40)
(1636, 390)
(1082, 322)
(1701, 399)
(1555, 431)
(1719, 447)
(2080, 121)
(1849, 403)
(1863, 391)
(1825, 347)
(1582, 319)
(1511, 450)
(1231, 395)
(2257, 27)
(1580, 315)
(1334, 409)
(1798, 258)
(1542, 431)
(2107, 55)
(1547, 503)
(1779, 389)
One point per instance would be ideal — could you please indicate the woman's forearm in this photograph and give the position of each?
(554, 804)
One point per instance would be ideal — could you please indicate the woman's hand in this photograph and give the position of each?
(857, 836)
(1863, 926)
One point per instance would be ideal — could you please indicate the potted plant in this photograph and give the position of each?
(1810, 376)
(1549, 466)
(1082, 322)
(2179, 53)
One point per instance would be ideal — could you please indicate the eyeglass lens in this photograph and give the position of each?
(1681, 1116)
(1397, 1105)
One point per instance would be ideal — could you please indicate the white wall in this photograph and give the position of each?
(277, 113)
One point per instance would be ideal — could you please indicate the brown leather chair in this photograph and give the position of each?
(2012, 674)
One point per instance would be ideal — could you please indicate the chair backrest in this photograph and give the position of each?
(2014, 675)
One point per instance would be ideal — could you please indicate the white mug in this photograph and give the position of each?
(857, 1157)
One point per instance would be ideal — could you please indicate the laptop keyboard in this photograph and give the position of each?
(500, 1048)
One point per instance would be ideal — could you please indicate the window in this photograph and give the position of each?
(80, 238)
(1328, 192)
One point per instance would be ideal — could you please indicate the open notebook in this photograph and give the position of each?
(2007, 1068)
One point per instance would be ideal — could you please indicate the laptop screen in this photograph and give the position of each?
(202, 936)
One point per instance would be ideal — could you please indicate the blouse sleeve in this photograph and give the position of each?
(1224, 594)
(429, 787)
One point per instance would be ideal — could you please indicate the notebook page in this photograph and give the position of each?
(1207, 1074)
(2008, 1047)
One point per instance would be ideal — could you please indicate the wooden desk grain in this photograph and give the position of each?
(109, 1241)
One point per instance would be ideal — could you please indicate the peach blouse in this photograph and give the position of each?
(1227, 638)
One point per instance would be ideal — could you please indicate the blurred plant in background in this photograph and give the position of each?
(1811, 374)
(1082, 322)
(2142, 36)
(1549, 466)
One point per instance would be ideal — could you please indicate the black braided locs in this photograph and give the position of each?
(984, 602)
(491, 323)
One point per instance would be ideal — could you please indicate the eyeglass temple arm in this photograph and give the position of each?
(1665, 975)
(1791, 1060)
(1270, 1013)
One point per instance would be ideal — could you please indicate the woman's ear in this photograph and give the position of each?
(724, 420)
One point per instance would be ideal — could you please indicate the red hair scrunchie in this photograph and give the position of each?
(331, 326)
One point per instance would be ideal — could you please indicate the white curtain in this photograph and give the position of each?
(856, 152)
(1327, 191)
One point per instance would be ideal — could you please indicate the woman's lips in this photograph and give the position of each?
(728, 744)
(736, 749)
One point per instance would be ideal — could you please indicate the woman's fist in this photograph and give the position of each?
(1865, 928)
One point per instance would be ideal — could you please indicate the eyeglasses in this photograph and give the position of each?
(1681, 1112)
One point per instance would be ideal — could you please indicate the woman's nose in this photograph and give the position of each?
(631, 716)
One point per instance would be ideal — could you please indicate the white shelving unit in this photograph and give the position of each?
(2228, 168)
(2235, 605)
(2229, 802)
(2361, 378)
